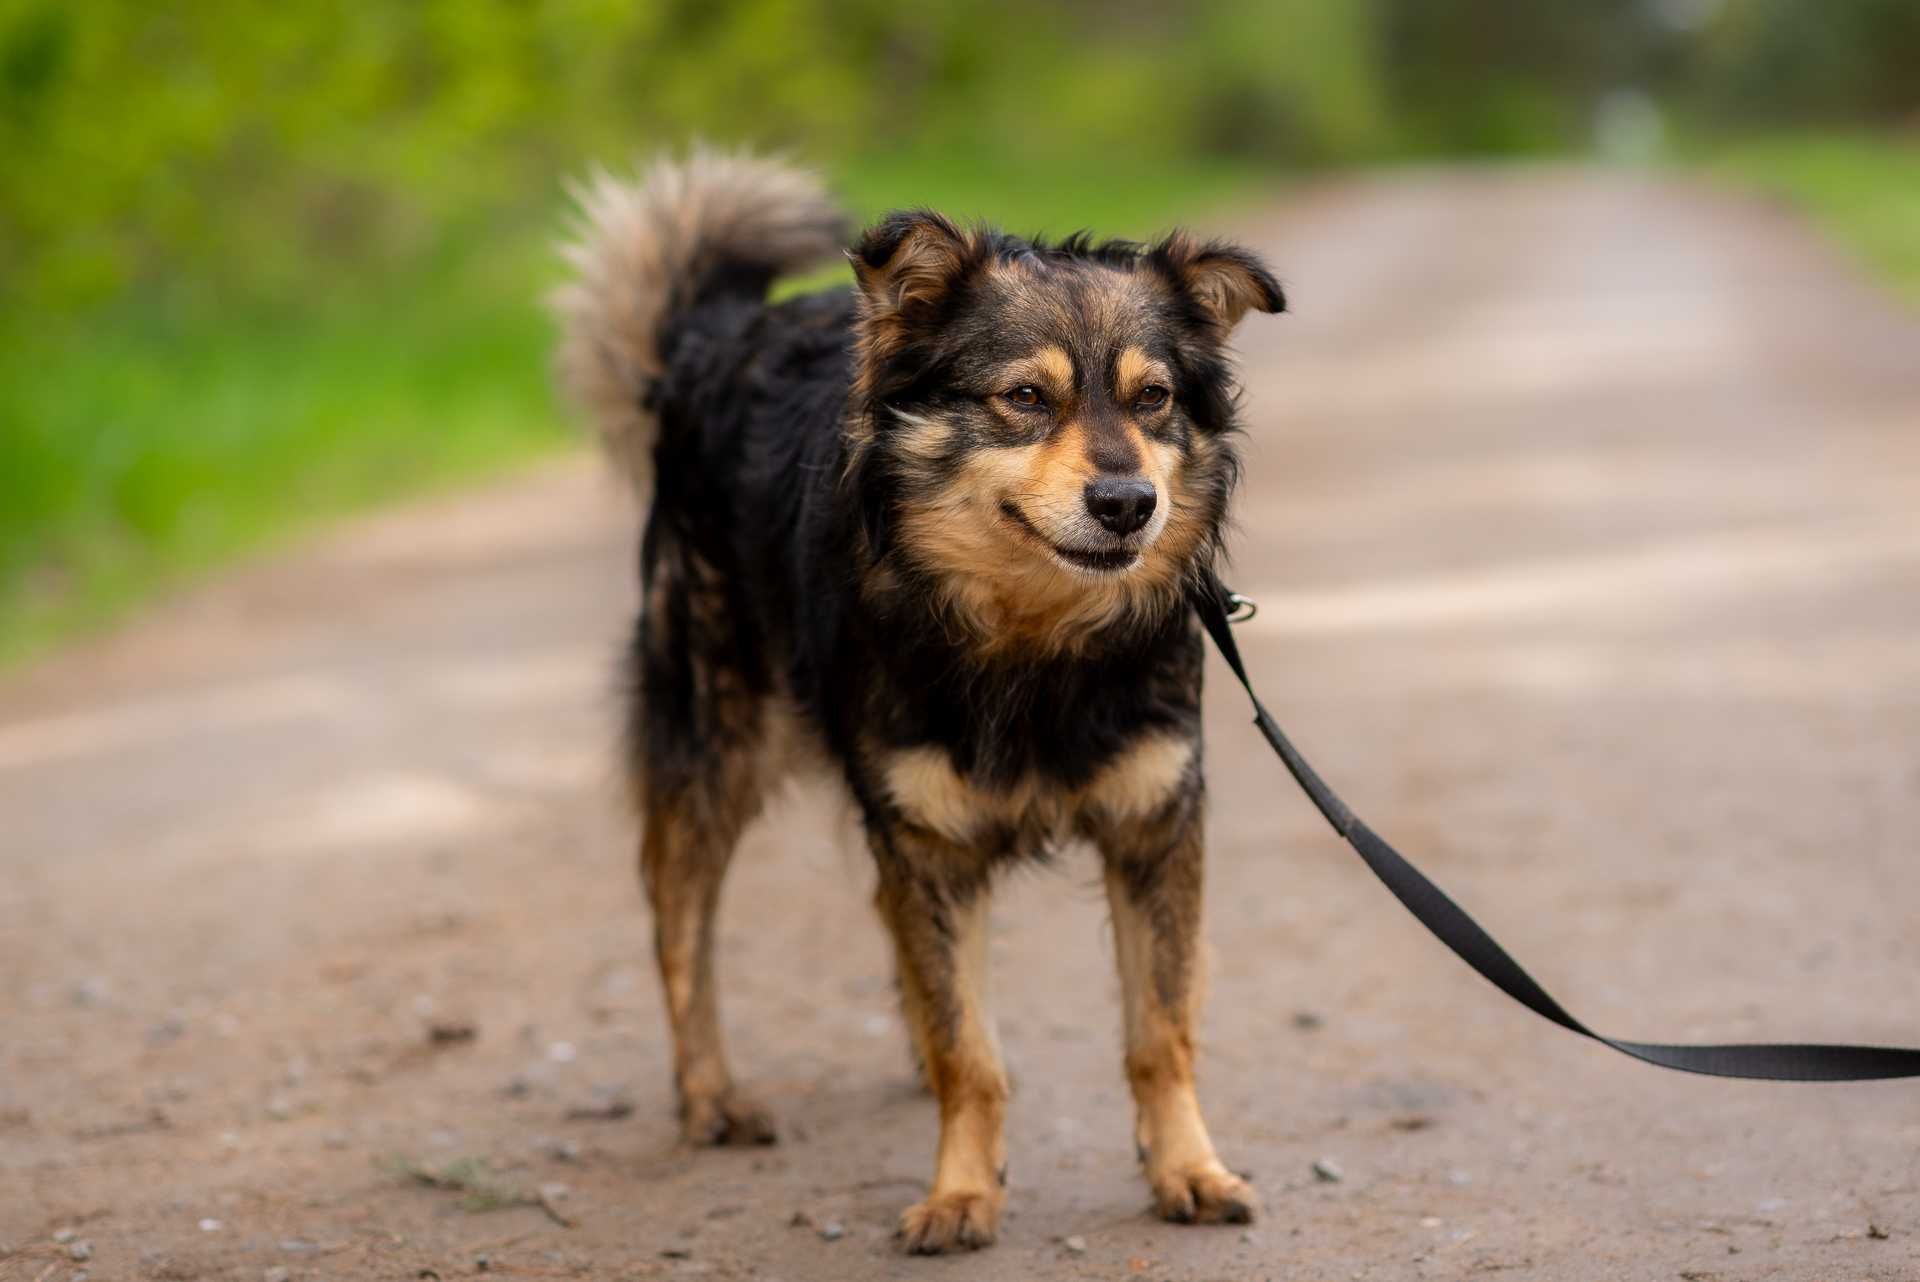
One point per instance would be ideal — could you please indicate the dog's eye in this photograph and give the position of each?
(1151, 397)
(1027, 396)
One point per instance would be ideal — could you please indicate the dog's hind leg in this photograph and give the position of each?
(934, 898)
(1153, 875)
(688, 841)
(698, 736)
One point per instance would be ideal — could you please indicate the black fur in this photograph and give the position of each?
(757, 504)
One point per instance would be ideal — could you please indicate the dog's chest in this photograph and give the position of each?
(929, 790)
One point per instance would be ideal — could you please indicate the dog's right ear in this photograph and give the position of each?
(908, 262)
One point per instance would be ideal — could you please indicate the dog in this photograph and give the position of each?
(937, 530)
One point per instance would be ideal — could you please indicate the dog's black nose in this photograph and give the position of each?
(1122, 504)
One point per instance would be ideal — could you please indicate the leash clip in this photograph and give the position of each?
(1241, 609)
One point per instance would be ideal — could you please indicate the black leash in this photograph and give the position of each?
(1451, 925)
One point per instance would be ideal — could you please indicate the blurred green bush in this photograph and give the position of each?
(233, 146)
(262, 262)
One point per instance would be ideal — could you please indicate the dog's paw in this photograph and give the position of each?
(730, 1117)
(951, 1222)
(1203, 1193)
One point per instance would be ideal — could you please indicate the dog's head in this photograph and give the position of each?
(1040, 433)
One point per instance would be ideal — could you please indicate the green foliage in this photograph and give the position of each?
(1786, 61)
(143, 441)
(260, 264)
(1865, 189)
(225, 149)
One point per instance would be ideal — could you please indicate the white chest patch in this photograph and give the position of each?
(930, 792)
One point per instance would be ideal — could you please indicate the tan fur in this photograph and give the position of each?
(941, 942)
(683, 857)
(1141, 779)
(1221, 286)
(639, 242)
(1133, 370)
(1007, 590)
(1156, 941)
(1052, 370)
(925, 262)
(923, 783)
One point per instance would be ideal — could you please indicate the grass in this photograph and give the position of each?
(481, 1189)
(144, 444)
(1863, 189)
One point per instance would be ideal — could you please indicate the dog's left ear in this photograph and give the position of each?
(1223, 280)
(907, 262)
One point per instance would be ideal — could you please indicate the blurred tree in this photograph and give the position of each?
(1783, 61)
(240, 148)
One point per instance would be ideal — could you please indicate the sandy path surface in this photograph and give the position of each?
(1584, 512)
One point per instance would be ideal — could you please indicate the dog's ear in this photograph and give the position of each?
(1224, 281)
(908, 262)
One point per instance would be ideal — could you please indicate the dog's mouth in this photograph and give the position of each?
(1113, 560)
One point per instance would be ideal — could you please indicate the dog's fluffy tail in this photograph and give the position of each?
(648, 249)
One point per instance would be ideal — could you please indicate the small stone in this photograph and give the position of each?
(278, 1273)
(832, 1231)
(279, 1108)
(563, 1052)
(78, 1275)
(1075, 1245)
(1877, 1233)
(800, 1220)
(1431, 1222)
(1327, 1171)
(451, 1032)
(210, 1225)
(677, 1253)
(481, 1263)
(92, 991)
(80, 1251)
(608, 1102)
(299, 1246)
(558, 1150)
(1307, 1021)
(64, 1236)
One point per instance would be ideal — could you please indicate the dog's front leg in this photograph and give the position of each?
(1154, 874)
(933, 896)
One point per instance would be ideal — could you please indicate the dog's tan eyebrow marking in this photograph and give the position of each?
(1133, 369)
(1058, 366)
(1049, 367)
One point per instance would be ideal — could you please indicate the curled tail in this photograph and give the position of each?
(646, 249)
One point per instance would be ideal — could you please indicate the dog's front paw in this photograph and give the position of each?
(951, 1222)
(726, 1117)
(1203, 1193)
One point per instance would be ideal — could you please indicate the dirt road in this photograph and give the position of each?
(1585, 517)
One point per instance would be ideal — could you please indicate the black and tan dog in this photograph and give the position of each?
(935, 532)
